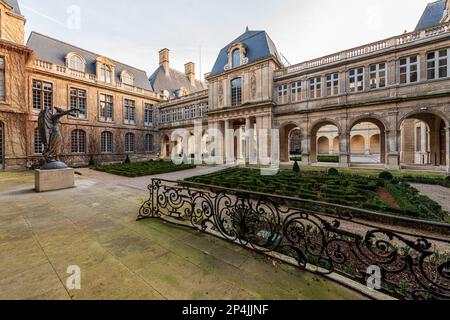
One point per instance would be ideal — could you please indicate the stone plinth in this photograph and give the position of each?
(52, 180)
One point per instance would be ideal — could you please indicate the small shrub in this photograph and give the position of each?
(127, 160)
(386, 175)
(92, 162)
(333, 172)
(296, 167)
(447, 178)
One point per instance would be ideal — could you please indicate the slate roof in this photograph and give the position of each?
(259, 46)
(55, 51)
(434, 14)
(174, 81)
(15, 5)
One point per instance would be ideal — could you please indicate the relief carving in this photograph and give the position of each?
(253, 85)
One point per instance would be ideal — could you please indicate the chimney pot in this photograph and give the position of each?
(189, 70)
(164, 59)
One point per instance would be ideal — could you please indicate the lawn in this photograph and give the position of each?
(139, 169)
(392, 196)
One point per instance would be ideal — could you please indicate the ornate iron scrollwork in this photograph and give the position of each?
(313, 233)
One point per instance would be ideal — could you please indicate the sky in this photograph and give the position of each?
(134, 31)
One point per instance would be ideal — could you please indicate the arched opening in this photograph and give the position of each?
(367, 142)
(423, 140)
(2, 147)
(290, 142)
(323, 146)
(325, 143)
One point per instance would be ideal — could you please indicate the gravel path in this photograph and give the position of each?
(437, 193)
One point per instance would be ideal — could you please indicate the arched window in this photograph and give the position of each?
(236, 58)
(38, 146)
(78, 140)
(107, 142)
(105, 73)
(76, 63)
(129, 143)
(236, 92)
(127, 78)
(149, 142)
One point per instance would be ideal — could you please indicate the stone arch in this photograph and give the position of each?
(423, 138)
(358, 144)
(370, 154)
(315, 128)
(336, 147)
(166, 147)
(285, 134)
(375, 143)
(418, 112)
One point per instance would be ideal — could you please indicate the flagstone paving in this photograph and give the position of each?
(93, 226)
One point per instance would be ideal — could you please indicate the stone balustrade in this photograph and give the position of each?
(390, 43)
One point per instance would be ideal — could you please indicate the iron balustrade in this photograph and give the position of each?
(322, 237)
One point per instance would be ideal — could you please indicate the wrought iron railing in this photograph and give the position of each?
(322, 237)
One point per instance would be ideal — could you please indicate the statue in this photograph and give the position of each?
(49, 126)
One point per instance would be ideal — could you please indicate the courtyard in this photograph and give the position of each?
(94, 226)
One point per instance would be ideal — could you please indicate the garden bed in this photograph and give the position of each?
(398, 197)
(140, 169)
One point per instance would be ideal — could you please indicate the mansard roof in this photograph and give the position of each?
(15, 5)
(55, 51)
(173, 81)
(259, 46)
(434, 14)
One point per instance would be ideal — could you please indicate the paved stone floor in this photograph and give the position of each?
(439, 194)
(93, 226)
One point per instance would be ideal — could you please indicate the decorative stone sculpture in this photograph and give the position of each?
(49, 126)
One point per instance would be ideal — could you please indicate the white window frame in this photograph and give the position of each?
(128, 116)
(296, 91)
(437, 64)
(378, 77)
(333, 81)
(408, 66)
(130, 142)
(358, 72)
(106, 143)
(314, 87)
(283, 94)
(38, 145)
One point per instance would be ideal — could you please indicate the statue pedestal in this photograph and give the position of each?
(52, 180)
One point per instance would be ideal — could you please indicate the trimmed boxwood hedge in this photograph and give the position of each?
(329, 159)
(344, 189)
(139, 169)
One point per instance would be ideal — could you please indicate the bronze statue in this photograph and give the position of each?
(49, 126)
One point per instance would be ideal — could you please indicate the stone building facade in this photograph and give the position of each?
(384, 104)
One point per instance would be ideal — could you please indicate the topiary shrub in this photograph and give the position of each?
(296, 167)
(92, 162)
(127, 160)
(333, 172)
(386, 175)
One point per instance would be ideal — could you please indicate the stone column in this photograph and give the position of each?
(447, 148)
(344, 144)
(306, 143)
(248, 127)
(229, 142)
(393, 137)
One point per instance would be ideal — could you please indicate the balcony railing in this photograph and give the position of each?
(63, 70)
(192, 96)
(367, 49)
(321, 237)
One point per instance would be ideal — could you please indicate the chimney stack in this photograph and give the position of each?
(164, 59)
(189, 70)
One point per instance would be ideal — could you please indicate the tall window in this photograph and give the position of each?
(296, 91)
(107, 142)
(38, 146)
(377, 76)
(106, 107)
(78, 101)
(42, 95)
(148, 115)
(149, 141)
(2, 78)
(315, 88)
(129, 143)
(78, 140)
(437, 64)
(76, 63)
(409, 69)
(332, 84)
(356, 80)
(105, 73)
(283, 94)
(236, 92)
(236, 57)
(129, 111)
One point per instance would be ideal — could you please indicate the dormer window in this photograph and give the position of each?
(236, 58)
(127, 78)
(105, 73)
(76, 62)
